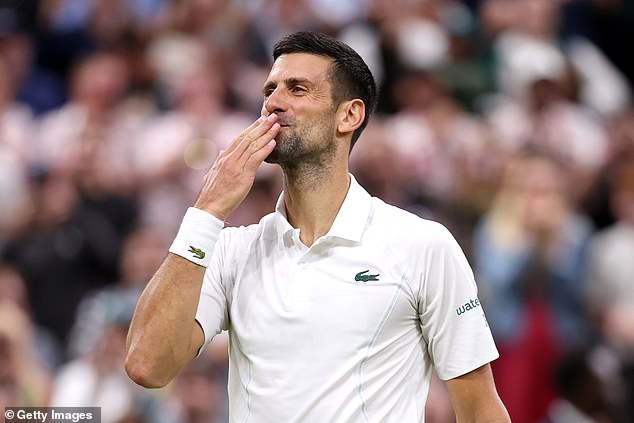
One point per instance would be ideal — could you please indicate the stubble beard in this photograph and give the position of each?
(286, 149)
(304, 147)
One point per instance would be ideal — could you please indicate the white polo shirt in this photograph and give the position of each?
(349, 329)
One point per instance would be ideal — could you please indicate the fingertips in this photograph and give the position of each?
(266, 150)
(264, 123)
(257, 123)
(266, 128)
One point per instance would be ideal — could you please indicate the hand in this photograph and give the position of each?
(231, 176)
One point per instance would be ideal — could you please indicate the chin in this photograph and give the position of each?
(285, 150)
(278, 155)
(272, 158)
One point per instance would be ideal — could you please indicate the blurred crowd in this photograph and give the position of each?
(509, 121)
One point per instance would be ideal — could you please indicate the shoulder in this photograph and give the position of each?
(396, 224)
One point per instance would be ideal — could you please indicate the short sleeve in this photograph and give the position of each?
(452, 318)
(212, 313)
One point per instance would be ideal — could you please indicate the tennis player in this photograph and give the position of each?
(338, 305)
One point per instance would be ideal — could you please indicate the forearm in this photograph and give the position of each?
(493, 412)
(161, 338)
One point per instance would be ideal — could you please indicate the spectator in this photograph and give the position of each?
(198, 394)
(529, 255)
(46, 349)
(97, 379)
(16, 127)
(23, 381)
(610, 284)
(141, 253)
(583, 397)
(443, 152)
(527, 49)
(94, 376)
(67, 251)
(610, 290)
(549, 120)
(95, 127)
(184, 138)
(36, 87)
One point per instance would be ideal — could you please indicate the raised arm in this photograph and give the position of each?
(164, 335)
(475, 399)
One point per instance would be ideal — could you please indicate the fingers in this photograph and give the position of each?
(258, 156)
(249, 150)
(259, 128)
(256, 144)
(244, 133)
(230, 178)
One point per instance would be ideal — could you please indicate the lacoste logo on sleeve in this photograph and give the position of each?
(198, 253)
(362, 277)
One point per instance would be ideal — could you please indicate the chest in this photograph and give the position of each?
(335, 300)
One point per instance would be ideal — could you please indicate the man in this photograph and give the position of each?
(338, 305)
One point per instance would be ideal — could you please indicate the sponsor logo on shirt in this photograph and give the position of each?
(363, 277)
(198, 253)
(468, 306)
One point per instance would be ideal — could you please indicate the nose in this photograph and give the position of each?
(274, 103)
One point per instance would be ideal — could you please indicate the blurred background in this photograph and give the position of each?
(509, 121)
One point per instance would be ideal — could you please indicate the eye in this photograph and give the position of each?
(298, 89)
(268, 90)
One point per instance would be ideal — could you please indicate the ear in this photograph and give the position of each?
(350, 116)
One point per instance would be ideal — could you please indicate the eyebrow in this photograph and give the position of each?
(288, 81)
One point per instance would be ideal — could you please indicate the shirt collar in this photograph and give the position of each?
(351, 218)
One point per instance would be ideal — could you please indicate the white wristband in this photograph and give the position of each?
(197, 236)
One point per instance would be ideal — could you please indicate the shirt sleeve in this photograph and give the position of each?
(212, 314)
(452, 319)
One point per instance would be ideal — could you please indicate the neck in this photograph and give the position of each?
(313, 197)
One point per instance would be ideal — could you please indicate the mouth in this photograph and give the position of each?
(284, 123)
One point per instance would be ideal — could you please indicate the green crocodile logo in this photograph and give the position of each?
(198, 253)
(362, 277)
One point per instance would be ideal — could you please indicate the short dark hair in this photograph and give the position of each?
(349, 75)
